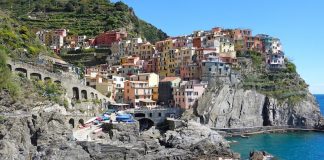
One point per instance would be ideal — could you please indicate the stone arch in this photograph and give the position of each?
(84, 94)
(36, 76)
(145, 123)
(75, 91)
(47, 79)
(139, 115)
(57, 82)
(71, 122)
(81, 121)
(9, 66)
(92, 95)
(22, 70)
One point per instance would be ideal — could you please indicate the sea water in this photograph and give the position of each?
(288, 146)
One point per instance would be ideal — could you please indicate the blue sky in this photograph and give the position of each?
(298, 23)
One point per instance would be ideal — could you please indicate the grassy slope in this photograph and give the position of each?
(283, 84)
(17, 42)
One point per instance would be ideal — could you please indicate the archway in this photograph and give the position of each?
(81, 121)
(71, 122)
(47, 79)
(57, 82)
(136, 115)
(145, 123)
(22, 71)
(76, 93)
(84, 94)
(35, 76)
(9, 66)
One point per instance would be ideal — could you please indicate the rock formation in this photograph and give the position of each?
(227, 107)
(193, 141)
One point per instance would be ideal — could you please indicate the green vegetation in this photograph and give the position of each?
(88, 17)
(6, 78)
(283, 84)
(17, 41)
(51, 91)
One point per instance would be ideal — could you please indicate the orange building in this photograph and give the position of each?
(138, 94)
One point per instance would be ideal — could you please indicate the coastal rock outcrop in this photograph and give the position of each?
(38, 136)
(193, 141)
(228, 107)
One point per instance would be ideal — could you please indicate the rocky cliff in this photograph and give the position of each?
(227, 107)
(42, 132)
(192, 141)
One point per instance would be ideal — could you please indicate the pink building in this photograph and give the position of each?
(190, 72)
(188, 93)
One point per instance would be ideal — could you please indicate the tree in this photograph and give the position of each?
(69, 7)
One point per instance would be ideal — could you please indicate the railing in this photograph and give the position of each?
(261, 129)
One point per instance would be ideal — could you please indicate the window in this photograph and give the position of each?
(196, 93)
(209, 69)
(151, 115)
(160, 114)
(147, 78)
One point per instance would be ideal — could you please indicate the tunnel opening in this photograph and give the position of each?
(57, 82)
(145, 124)
(21, 71)
(71, 122)
(76, 93)
(136, 115)
(36, 76)
(81, 121)
(84, 94)
(47, 79)
(9, 66)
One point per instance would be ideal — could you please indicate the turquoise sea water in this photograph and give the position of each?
(287, 146)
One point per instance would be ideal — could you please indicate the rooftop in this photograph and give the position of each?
(169, 79)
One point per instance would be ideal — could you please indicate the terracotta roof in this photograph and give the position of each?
(129, 64)
(169, 79)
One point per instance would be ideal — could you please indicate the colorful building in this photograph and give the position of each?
(166, 87)
(107, 38)
(138, 94)
(188, 93)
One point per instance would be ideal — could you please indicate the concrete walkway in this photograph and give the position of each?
(84, 134)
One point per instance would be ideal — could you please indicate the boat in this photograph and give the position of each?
(90, 120)
(243, 136)
(124, 117)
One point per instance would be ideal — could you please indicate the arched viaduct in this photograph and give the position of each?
(149, 117)
(76, 89)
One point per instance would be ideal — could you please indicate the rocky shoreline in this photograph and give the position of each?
(228, 107)
(46, 134)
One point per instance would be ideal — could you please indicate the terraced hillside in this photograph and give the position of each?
(88, 17)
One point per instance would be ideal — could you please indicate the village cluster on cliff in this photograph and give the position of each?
(172, 72)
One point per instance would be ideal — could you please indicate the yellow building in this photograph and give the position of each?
(153, 82)
(146, 51)
(103, 85)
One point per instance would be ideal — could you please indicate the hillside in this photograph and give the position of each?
(88, 17)
(18, 43)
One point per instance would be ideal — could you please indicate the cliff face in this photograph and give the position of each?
(38, 136)
(227, 107)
